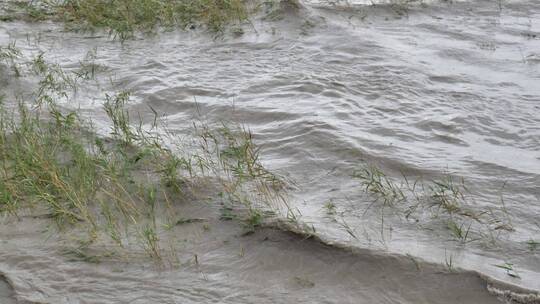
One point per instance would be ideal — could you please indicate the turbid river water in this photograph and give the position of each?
(424, 91)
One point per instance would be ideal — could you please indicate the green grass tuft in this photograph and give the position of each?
(124, 18)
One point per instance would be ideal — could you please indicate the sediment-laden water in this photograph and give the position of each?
(420, 91)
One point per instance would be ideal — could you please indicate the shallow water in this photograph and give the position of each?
(270, 266)
(421, 91)
(6, 293)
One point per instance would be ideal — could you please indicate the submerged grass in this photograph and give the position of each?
(52, 162)
(510, 269)
(446, 198)
(374, 181)
(8, 57)
(533, 245)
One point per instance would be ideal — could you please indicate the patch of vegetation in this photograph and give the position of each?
(304, 282)
(227, 214)
(238, 163)
(82, 254)
(510, 270)
(49, 161)
(253, 220)
(124, 18)
(444, 198)
(447, 195)
(52, 162)
(374, 181)
(183, 221)
(330, 208)
(8, 56)
(533, 245)
(449, 262)
(460, 231)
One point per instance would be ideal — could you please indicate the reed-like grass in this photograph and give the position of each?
(123, 186)
(509, 269)
(8, 57)
(375, 182)
(446, 198)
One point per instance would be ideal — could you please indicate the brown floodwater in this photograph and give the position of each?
(432, 89)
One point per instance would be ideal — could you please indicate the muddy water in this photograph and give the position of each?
(6, 292)
(421, 91)
(270, 266)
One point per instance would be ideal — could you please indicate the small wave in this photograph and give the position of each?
(512, 296)
(6, 291)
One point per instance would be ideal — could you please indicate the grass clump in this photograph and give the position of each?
(330, 208)
(8, 56)
(239, 160)
(123, 18)
(509, 269)
(375, 182)
(460, 231)
(446, 194)
(53, 163)
(243, 177)
(445, 198)
(533, 245)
